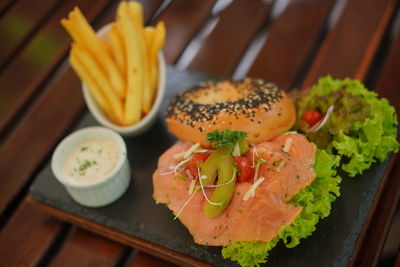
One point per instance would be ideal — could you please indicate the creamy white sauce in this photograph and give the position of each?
(91, 161)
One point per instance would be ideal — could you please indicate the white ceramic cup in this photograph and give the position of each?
(145, 123)
(104, 190)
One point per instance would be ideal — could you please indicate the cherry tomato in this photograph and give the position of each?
(311, 116)
(197, 160)
(246, 172)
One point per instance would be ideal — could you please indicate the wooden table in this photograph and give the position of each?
(290, 43)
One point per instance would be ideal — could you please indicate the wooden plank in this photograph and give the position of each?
(143, 259)
(27, 236)
(19, 23)
(5, 5)
(291, 39)
(183, 20)
(156, 250)
(349, 48)
(61, 100)
(379, 225)
(88, 249)
(24, 76)
(388, 83)
(150, 8)
(398, 258)
(223, 48)
(387, 86)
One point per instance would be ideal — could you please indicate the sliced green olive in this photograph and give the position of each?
(212, 164)
(222, 194)
(243, 146)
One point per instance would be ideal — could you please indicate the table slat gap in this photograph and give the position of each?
(223, 48)
(379, 225)
(387, 86)
(123, 238)
(27, 236)
(349, 47)
(159, 10)
(11, 48)
(27, 87)
(382, 54)
(88, 249)
(125, 256)
(284, 57)
(193, 15)
(58, 241)
(5, 5)
(48, 257)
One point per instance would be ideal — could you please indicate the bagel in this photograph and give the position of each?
(252, 105)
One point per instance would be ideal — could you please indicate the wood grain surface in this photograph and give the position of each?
(37, 60)
(19, 24)
(353, 40)
(388, 85)
(290, 41)
(237, 25)
(27, 236)
(89, 250)
(40, 99)
(183, 19)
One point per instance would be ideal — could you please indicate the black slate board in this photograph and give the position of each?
(136, 214)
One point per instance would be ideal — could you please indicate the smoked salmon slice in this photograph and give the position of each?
(285, 165)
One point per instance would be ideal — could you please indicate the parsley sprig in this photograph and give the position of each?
(225, 137)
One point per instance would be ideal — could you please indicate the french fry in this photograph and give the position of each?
(157, 42)
(121, 72)
(135, 70)
(69, 26)
(85, 36)
(91, 84)
(149, 36)
(118, 48)
(136, 13)
(159, 37)
(105, 86)
(149, 33)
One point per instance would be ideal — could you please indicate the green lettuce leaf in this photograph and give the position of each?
(362, 128)
(316, 201)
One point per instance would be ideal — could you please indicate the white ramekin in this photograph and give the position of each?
(148, 120)
(103, 191)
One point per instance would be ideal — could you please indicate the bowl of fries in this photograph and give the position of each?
(147, 120)
(121, 67)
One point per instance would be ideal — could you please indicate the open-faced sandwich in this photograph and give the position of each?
(238, 178)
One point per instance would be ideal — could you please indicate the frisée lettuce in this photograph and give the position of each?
(361, 129)
(316, 201)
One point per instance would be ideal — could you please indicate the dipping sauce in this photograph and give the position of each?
(91, 161)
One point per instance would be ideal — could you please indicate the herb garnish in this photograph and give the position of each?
(85, 165)
(259, 161)
(225, 137)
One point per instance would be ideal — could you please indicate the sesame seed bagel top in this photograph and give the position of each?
(252, 105)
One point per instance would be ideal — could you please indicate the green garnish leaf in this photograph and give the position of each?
(85, 165)
(362, 128)
(316, 201)
(225, 137)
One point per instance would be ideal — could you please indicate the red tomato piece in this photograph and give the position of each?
(246, 172)
(197, 160)
(311, 116)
